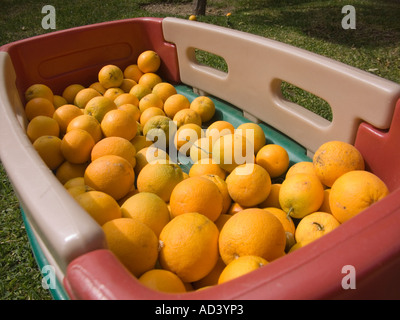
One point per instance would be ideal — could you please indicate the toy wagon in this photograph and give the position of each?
(366, 113)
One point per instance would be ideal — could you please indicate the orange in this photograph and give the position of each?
(206, 166)
(49, 149)
(98, 87)
(125, 98)
(211, 279)
(315, 225)
(235, 208)
(354, 192)
(299, 245)
(273, 158)
(164, 90)
(113, 93)
(134, 244)
(150, 154)
(230, 150)
(159, 178)
(76, 146)
(117, 146)
(99, 205)
(87, 123)
(222, 219)
(301, 194)
(252, 231)
(186, 135)
(201, 149)
(325, 207)
(119, 123)
(84, 96)
(148, 61)
(70, 92)
(334, 158)
(127, 85)
(74, 182)
(150, 79)
(149, 113)
(99, 106)
(42, 126)
(162, 280)
(192, 17)
(189, 246)
(219, 128)
(67, 171)
(223, 188)
(254, 133)
(249, 184)
(39, 107)
(149, 208)
(204, 106)
(196, 194)
(150, 100)
(241, 266)
(77, 190)
(175, 103)
(64, 114)
(157, 129)
(111, 174)
(39, 90)
(131, 109)
(140, 142)
(273, 197)
(301, 167)
(58, 101)
(110, 76)
(140, 90)
(186, 116)
(133, 72)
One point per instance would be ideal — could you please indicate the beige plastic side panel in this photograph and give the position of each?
(256, 67)
(64, 230)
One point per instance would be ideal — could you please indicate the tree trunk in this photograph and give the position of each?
(200, 7)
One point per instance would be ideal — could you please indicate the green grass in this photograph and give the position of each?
(312, 25)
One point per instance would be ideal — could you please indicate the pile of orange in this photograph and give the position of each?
(109, 144)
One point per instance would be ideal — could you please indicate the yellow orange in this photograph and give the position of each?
(84, 96)
(49, 149)
(254, 133)
(162, 280)
(98, 87)
(125, 98)
(206, 166)
(241, 266)
(133, 72)
(148, 61)
(201, 149)
(117, 146)
(110, 76)
(67, 171)
(186, 116)
(186, 135)
(175, 103)
(301, 167)
(127, 85)
(87, 123)
(150, 100)
(219, 128)
(38, 90)
(150, 79)
(42, 126)
(204, 106)
(150, 154)
(97, 107)
(70, 92)
(273, 158)
(149, 113)
(113, 93)
(273, 197)
(223, 188)
(164, 90)
(140, 90)
(59, 101)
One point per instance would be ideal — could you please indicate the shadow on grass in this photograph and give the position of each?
(377, 23)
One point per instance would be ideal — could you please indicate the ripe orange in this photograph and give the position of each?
(150, 100)
(162, 280)
(150, 154)
(204, 106)
(117, 146)
(315, 225)
(133, 72)
(223, 188)
(252, 231)
(149, 61)
(219, 128)
(140, 142)
(99, 106)
(70, 92)
(201, 149)
(149, 113)
(42, 126)
(74, 182)
(164, 90)
(125, 98)
(186, 116)
(127, 85)
(119, 123)
(254, 133)
(301, 167)
(98, 87)
(150, 79)
(325, 207)
(111, 174)
(149, 208)
(175, 103)
(113, 93)
(84, 96)
(67, 171)
(186, 135)
(249, 184)
(334, 158)
(134, 243)
(140, 90)
(189, 246)
(287, 222)
(206, 166)
(211, 279)
(301, 194)
(235, 208)
(131, 109)
(159, 178)
(58, 101)
(49, 149)
(157, 129)
(110, 76)
(355, 191)
(101, 206)
(273, 158)
(77, 190)
(39, 107)
(241, 266)
(196, 194)
(64, 114)
(76, 146)
(39, 90)
(87, 123)
(273, 197)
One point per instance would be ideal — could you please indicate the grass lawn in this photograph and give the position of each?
(373, 46)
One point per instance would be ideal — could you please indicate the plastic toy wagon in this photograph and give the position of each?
(366, 113)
